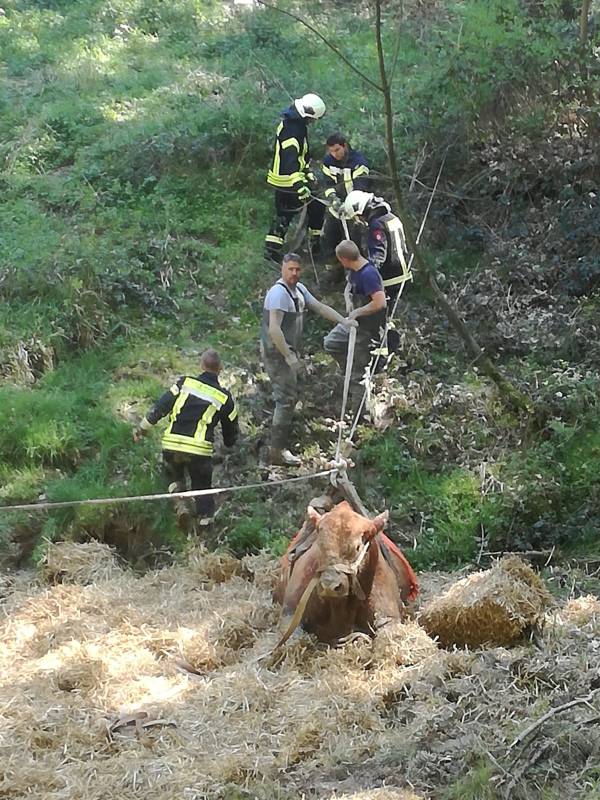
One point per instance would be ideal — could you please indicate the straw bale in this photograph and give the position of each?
(494, 607)
(81, 563)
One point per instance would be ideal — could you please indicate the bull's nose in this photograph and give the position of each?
(333, 584)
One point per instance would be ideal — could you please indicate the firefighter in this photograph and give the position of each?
(285, 306)
(195, 406)
(386, 246)
(291, 177)
(345, 170)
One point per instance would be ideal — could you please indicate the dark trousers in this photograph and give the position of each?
(393, 337)
(287, 206)
(367, 337)
(284, 385)
(333, 233)
(179, 466)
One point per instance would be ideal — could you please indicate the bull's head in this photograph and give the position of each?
(343, 538)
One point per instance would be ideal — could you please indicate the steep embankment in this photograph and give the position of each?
(134, 144)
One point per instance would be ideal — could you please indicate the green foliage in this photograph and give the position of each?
(474, 786)
(39, 429)
(546, 495)
(258, 530)
(67, 439)
(445, 505)
(134, 138)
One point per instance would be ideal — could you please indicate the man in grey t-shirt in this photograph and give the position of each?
(285, 305)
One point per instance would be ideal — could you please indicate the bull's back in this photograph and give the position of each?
(400, 566)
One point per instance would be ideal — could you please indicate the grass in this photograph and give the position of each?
(474, 786)
(134, 139)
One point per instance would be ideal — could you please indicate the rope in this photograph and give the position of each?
(100, 501)
(347, 376)
(104, 501)
(298, 613)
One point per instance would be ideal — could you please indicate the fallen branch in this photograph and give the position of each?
(519, 774)
(579, 701)
(532, 555)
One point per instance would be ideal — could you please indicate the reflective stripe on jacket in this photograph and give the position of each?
(195, 406)
(342, 177)
(387, 247)
(290, 157)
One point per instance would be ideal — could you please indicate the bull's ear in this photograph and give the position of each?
(380, 521)
(313, 515)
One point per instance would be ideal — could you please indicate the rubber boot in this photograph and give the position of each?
(182, 509)
(283, 458)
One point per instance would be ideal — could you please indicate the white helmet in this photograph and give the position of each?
(310, 106)
(355, 203)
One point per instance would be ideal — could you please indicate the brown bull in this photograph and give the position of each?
(344, 575)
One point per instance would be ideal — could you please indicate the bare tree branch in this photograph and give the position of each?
(480, 357)
(392, 70)
(326, 41)
(553, 711)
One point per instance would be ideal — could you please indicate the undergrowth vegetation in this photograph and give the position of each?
(134, 141)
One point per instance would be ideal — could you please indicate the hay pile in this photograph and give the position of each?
(91, 562)
(163, 687)
(403, 644)
(492, 607)
(579, 611)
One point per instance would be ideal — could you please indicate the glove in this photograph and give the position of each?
(336, 204)
(294, 364)
(138, 433)
(141, 430)
(304, 193)
(311, 177)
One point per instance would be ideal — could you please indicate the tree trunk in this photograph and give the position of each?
(583, 57)
(583, 22)
(508, 391)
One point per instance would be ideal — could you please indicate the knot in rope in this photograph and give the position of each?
(339, 467)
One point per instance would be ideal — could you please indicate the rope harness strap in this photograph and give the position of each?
(347, 378)
(298, 613)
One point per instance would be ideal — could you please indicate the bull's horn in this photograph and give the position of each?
(380, 520)
(313, 515)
